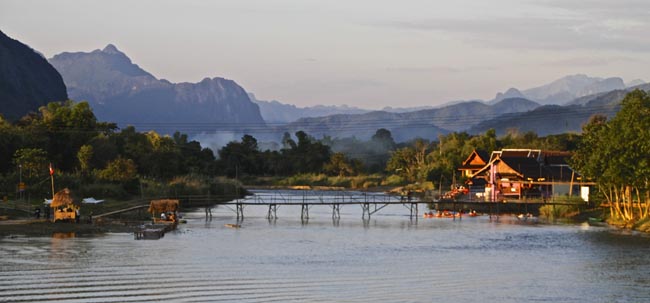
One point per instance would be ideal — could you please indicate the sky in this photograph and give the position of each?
(364, 53)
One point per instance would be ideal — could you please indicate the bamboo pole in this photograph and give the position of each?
(52, 178)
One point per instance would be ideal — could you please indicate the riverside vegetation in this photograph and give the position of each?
(97, 159)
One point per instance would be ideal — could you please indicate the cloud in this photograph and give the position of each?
(621, 9)
(425, 70)
(593, 61)
(439, 69)
(542, 33)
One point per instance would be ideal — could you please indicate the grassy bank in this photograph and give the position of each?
(322, 180)
(573, 208)
(34, 228)
(642, 225)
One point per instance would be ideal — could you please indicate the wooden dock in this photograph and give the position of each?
(152, 231)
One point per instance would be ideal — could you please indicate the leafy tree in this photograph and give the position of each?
(287, 142)
(84, 156)
(119, 170)
(240, 157)
(339, 165)
(33, 161)
(309, 155)
(68, 125)
(195, 159)
(403, 162)
(487, 142)
(615, 153)
(384, 139)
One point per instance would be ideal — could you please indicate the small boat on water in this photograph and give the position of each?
(596, 222)
(527, 217)
(232, 225)
(164, 211)
(442, 214)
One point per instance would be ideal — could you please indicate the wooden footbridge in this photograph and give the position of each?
(370, 202)
(373, 202)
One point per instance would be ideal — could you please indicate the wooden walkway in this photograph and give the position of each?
(119, 211)
(371, 203)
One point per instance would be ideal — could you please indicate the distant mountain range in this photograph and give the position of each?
(122, 92)
(27, 80)
(556, 119)
(276, 112)
(426, 124)
(566, 89)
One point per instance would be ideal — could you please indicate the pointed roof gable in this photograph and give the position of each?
(478, 158)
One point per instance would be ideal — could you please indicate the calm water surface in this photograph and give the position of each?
(389, 258)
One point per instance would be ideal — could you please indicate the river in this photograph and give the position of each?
(388, 258)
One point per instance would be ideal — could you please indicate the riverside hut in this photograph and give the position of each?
(164, 211)
(64, 207)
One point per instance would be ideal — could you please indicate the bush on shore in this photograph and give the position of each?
(552, 212)
(354, 182)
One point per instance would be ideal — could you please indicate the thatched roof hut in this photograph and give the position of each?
(62, 198)
(161, 206)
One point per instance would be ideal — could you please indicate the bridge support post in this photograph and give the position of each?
(498, 211)
(240, 211)
(454, 211)
(272, 214)
(304, 215)
(365, 207)
(336, 211)
(414, 210)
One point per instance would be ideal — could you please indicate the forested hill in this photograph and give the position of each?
(27, 80)
(121, 91)
(555, 119)
(427, 124)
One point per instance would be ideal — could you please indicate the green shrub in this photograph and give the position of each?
(340, 182)
(553, 212)
(394, 180)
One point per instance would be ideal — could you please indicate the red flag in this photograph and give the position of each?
(51, 170)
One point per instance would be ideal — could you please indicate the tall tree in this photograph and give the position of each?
(32, 160)
(615, 153)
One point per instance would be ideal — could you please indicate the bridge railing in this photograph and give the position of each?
(321, 197)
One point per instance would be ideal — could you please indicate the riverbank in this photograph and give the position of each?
(34, 228)
(641, 225)
(601, 216)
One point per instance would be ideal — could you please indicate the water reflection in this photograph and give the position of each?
(390, 258)
(68, 235)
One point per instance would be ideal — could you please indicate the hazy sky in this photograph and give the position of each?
(366, 53)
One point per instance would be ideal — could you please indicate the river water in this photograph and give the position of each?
(389, 258)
